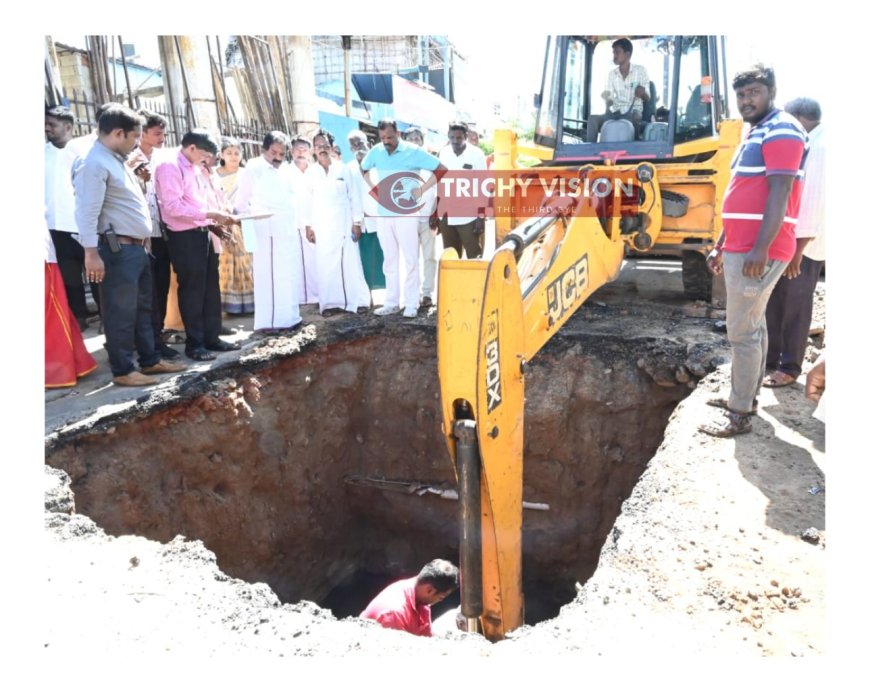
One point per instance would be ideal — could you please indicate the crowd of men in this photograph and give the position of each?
(128, 222)
(145, 226)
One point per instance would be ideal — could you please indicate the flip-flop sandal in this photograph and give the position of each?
(723, 403)
(778, 379)
(733, 424)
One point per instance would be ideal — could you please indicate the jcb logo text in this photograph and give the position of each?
(565, 290)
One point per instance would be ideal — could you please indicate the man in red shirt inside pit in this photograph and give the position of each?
(406, 604)
(759, 212)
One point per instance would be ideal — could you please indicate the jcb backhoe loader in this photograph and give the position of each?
(495, 315)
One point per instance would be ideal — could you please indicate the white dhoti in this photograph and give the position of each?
(276, 298)
(332, 207)
(343, 283)
(307, 283)
(277, 255)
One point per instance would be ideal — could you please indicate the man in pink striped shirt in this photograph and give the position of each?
(182, 190)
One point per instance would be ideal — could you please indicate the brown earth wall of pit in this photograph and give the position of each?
(255, 463)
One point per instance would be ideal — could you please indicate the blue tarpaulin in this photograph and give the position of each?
(377, 88)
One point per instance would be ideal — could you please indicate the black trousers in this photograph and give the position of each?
(199, 293)
(71, 262)
(789, 315)
(126, 307)
(161, 277)
(460, 236)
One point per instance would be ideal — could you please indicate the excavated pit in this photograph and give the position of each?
(300, 471)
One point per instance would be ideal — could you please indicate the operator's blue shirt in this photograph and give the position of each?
(407, 156)
(397, 176)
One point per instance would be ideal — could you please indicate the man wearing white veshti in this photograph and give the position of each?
(300, 155)
(333, 222)
(265, 185)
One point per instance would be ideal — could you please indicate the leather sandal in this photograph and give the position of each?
(732, 424)
(778, 379)
(200, 354)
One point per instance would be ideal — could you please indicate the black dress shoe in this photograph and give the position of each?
(199, 354)
(166, 353)
(221, 346)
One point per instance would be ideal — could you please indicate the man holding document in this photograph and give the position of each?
(191, 218)
(266, 202)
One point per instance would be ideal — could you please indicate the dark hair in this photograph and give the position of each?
(414, 130)
(201, 139)
(299, 139)
(275, 137)
(756, 73)
(226, 143)
(623, 43)
(152, 119)
(458, 125)
(61, 113)
(115, 117)
(330, 138)
(804, 107)
(384, 124)
(336, 150)
(441, 574)
(106, 106)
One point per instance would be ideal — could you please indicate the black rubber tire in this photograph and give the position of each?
(674, 204)
(697, 279)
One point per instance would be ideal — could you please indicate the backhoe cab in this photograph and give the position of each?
(684, 132)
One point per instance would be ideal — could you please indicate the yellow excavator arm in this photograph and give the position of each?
(493, 316)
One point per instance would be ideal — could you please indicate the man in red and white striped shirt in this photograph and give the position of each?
(759, 212)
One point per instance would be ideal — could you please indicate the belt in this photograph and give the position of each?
(127, 240)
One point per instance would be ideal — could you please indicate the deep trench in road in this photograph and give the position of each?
(319, 473)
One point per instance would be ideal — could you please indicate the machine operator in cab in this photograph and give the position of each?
(627, 90)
